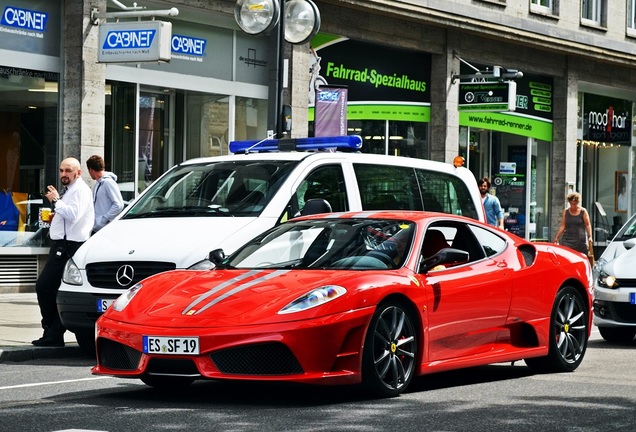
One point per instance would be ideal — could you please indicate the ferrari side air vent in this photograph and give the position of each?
(114, 355)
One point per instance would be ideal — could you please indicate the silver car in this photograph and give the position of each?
(615, 287)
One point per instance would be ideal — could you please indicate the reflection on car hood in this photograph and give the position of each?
(623, 265)
(224, 298)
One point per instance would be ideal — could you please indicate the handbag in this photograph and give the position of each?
(590, 254)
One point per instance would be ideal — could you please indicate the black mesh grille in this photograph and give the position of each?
(262, 359)
(625, 312)
(114, 355)
(104, 274)
(166, 366)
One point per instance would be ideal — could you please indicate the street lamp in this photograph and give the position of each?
(297, 24)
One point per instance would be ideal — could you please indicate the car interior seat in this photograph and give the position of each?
(315, 206)
(434, 241)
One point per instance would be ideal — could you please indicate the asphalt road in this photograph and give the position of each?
(61, 394)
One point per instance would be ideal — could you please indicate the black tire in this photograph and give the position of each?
(617, 334)
(390, 351)
(86, 342)
(161, 382)
(569, 330)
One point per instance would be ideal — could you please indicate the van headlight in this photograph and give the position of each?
(71, 275)
(605, 280)
(598, 265)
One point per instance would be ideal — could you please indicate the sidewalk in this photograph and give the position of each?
(20, 324)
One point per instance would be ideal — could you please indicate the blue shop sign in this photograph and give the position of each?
(25, 19)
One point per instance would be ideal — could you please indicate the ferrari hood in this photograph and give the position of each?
(225, 297)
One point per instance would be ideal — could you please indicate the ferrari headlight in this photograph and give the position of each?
(313, 298)
(71, 275)
(123, 300)
(606, 281)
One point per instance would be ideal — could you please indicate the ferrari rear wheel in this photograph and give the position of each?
(390, 351)
(569, 330)
(617, 334)
(162, 382)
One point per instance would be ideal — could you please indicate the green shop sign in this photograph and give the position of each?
(385, 111)
(532, 116)
(383, 83)
(510, 123)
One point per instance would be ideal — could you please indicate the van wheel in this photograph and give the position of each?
(617, 334)
(86, 342)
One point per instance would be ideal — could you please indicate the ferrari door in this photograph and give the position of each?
(467, 304)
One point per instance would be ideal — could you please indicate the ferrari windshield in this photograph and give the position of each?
(359, 244)
(222, 188)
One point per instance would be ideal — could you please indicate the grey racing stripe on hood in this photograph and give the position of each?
(237, 289)
(220, 287)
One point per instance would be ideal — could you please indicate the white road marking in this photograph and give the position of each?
(53, 382)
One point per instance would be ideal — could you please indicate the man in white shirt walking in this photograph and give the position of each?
(107, 198)
(71, 226)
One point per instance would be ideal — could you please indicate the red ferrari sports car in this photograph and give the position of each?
(373, 298)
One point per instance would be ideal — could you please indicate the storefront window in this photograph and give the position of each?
(174, 125)
(121, 135)
(519, 170)
(251, 119)
(604, 171)
(28, 145)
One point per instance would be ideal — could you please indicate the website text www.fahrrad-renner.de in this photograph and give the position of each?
(500, 122)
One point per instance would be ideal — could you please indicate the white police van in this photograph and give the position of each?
(222, 202)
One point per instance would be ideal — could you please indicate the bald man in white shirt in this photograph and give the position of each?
(71, 226)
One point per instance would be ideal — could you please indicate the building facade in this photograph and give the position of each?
(407, 65)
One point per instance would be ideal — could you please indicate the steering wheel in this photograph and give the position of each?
(381, 256)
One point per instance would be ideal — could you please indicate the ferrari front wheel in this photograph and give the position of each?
(569, 331)
(390, 351)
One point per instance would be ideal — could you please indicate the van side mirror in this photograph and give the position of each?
(629, 243)
(446, 256)
(217, 256)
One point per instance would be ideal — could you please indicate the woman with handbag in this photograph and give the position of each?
(575, 230)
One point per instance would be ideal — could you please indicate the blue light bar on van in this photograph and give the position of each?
(347, 142)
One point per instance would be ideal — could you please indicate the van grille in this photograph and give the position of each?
(104, 274)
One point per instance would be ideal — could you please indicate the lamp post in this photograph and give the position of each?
(294, 21)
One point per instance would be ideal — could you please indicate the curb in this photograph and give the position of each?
(25, 353)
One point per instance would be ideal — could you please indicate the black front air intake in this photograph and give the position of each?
(261, 359)
(113, 355)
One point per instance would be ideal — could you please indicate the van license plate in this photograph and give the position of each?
(103, 304)
(171, 345)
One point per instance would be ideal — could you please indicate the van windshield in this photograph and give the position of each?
(223, 188)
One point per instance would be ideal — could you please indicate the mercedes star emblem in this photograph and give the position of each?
(125, 275)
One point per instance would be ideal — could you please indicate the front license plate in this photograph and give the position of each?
(632, 298)
(171, 345)
(103, 304)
